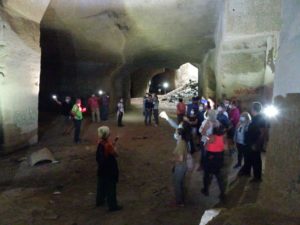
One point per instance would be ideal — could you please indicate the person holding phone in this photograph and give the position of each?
(108, 171)
(76, 112)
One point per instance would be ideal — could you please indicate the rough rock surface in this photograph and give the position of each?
(19, 73)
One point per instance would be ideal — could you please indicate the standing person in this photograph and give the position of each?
(179, 167)
(144, 103)
(108, 171)
(234, 114)
(254, 142)
(214, 160)
(222, 116)
(180, 110)
(104, 107)
(206, 130)
(77, 111)
(192, 120)
(155, 109)
(66, 107)
(120, 112)
(239, 137)
(234, 117)
(194, 105)
(93, 103)
(148, 110)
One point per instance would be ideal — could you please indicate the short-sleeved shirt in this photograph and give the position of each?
(77, 111)
(181, 108)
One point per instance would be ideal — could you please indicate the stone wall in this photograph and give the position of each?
(20, 74)
(281, 186)
(247, 49)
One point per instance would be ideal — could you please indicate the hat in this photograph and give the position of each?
(103, 132)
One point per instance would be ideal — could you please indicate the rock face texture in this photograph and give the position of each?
(104, 40)
(19, 72)
(282, 183)
(242, 64)
(117, 46)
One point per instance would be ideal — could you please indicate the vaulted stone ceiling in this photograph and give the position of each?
(149, 32)
(108, 44)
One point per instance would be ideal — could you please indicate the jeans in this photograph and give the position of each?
(77, 126)
(178, 180)
(148, 115)
(104, 113)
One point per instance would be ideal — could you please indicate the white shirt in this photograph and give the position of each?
(121, 107)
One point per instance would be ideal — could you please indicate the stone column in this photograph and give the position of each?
(281, 186)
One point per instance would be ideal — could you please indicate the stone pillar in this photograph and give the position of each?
(281, 186)
(19, 74)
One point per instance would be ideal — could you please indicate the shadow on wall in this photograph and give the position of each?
(55, 46)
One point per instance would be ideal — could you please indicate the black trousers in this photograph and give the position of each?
(155, 115)
(213, 163)
(180, 118)
(106, 191)
(241, 153)
(120, 117)
(256, 163)
(77, 126)
(252, 159)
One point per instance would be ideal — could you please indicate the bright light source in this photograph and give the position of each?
(100, 92)
(164, 115)
(271, 111)
(54, 97)
(166, 85)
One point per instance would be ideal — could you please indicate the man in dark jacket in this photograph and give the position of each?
(148, 109)
(108, 172)
(254, 144)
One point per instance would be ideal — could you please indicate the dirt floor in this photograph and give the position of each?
(64, 193)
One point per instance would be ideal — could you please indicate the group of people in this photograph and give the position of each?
(200, 127)
(98, 107)
(211, 131)
(151, 107)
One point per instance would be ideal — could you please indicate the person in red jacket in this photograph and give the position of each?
(180, 110)
(214, 159)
